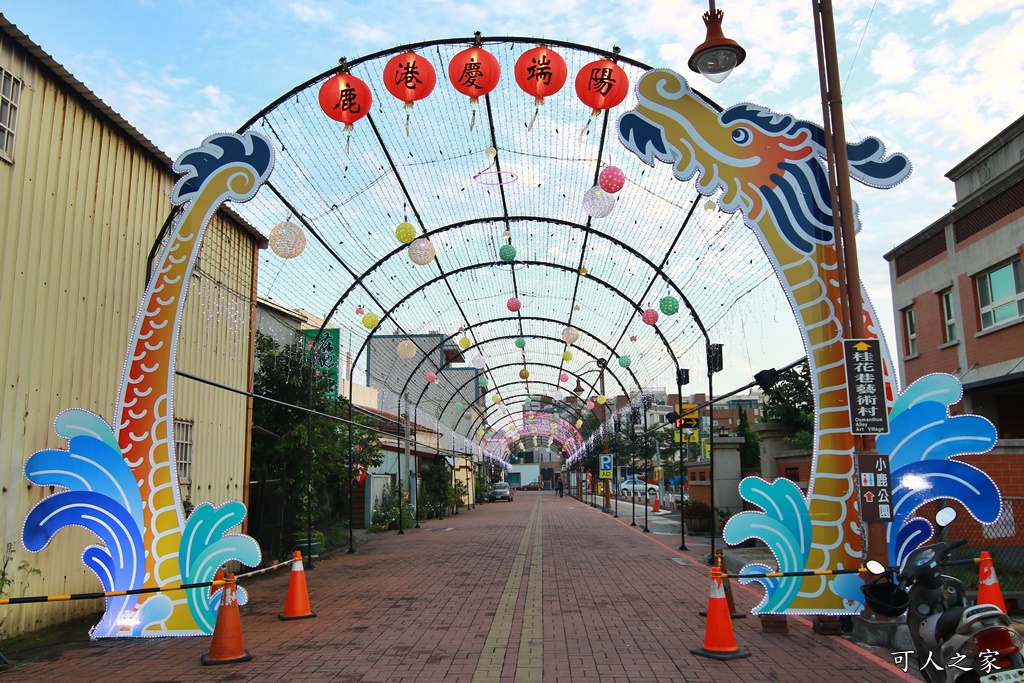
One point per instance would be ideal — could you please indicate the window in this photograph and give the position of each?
(909, 333)
(792, 473)
(1001, 295)
(10, 93)
(948, 316)
(183, 452)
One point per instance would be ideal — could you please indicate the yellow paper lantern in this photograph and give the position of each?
(370, 321)
(464, 343)
(524, 373)
(601, 399)
(567, 355)
(405, 232)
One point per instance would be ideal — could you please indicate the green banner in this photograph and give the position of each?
(325, 356)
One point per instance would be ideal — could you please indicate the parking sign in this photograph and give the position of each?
(606, 466)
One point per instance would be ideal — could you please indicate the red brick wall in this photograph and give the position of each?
(990, 348)
(929, 324)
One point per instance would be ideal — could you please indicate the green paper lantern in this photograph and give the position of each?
(458, 405)
(482, 381)
(624, 361)
(669, 305)
(507, 253)
(520, 343)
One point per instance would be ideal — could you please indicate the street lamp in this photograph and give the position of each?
(717, 56)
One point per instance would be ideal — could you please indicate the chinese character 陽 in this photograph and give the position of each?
(540, 71)
(601, 80)
(347, 100)
(988, 661)
(408, 74)
(901, 658)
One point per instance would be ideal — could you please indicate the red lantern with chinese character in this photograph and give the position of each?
(345, 98)
(474, 72)
(601, 85)
(409, 77)
(540, 72)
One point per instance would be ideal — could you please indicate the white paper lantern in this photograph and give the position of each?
(406, 350)
(479, 362)
(287, 240)
(598, 203)
(421, 251)
(570, 335)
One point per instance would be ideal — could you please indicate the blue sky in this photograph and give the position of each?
(934, 79)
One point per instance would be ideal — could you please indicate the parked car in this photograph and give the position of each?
(532, 486)
(500, 491)
(635, 487)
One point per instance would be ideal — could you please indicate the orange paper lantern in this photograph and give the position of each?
(345, 98)
(409, 77)
(474, 72)
(541, 72)
(601, 85)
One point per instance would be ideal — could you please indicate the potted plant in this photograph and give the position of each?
(697, 514)
(309, 547)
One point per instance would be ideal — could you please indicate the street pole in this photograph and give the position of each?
(711, 421)
(647, 465)
(615, 464)
(632, 466)
(405, 447)
(679, 412)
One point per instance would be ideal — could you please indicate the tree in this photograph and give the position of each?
(791, 403)
(750, 449)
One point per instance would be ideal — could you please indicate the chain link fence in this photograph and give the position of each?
(1004, 541)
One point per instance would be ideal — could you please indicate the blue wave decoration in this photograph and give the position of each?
(784, 526)
(912, 535)
(205, 548)
(927, 432)
(199, 164)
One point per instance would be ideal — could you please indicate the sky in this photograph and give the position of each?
(934, 79)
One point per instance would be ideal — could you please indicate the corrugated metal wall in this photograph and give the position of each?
(79, 210)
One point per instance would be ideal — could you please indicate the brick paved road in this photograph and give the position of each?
(541, 589)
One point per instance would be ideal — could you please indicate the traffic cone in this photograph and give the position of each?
(219, 576)
(719, 639)
(720, 563)
(657, 507)
(296, 605)
(988, 584)
(226, 646)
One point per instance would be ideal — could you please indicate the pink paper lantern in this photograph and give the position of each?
(590, 405)
(612, 179)
(514, 304)
(633, 338)
(564, 377)
(431, 377)
(360, 311)
(650, 316)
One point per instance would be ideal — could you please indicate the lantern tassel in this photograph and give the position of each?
(529, 126)
(347, 139)
(472, 120)
(584, 131)
(407, 125)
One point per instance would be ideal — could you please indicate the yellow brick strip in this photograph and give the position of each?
(530, 664)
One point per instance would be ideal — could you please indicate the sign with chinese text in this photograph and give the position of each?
(868, 412)
(875, 487)
(325, 356)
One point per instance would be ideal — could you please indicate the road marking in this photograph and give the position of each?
(530, 663)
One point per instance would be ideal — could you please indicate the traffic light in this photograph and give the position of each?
(682, 376)
(714, 358)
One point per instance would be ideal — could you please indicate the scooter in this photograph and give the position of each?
(952, 642)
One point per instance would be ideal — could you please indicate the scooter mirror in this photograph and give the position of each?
(875, 567)
(945, 516)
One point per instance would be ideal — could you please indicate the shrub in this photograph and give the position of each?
(696, 509)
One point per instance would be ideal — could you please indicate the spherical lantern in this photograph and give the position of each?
(421, 251)
(406, 350)
(520, 343)
(360, 311)
(465, 343)
(480, 432)
(345, 98)
(526, 402)
(611, 179)
(564, 377)
(431, 377)
(370, 320)
(650, 316)
(579, 423)
(490, 152)
(458, 405)
(570, 335)
(583, 272)
(624, 361)
(567, 355)
(514, 304)
(669, 305)
(507, 253)
(405, 232)
(496, 398)
(479, 362)
(632, 338)
(287, 240)
(602, 84)
(558, 395)
(601, 399)
(474, 72)
(409, 77)
(598, 203)
(524, 374)
(482, 382)
(590, 405)
(541, 72)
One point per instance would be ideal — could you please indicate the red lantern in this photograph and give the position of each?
(602, 85)
(541, 72)
(409, 77)
(474, 72)
(345, 98)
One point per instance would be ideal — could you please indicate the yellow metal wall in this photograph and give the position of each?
(79, 210)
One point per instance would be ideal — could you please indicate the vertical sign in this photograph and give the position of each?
(868, 412)
(875, 488)
(325, 356)
(606, 466)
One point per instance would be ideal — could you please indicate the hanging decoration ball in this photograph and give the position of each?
(496, 398)
(465, 343)
(624, 361)
(564, 377)
(601, 399)
(710, 205)
(669, 305)
(421, 251)
(598, 203)
(479, 362)
(632, 338)
(579, 423)
(474, 72)
(287, 240)
(590, 405)
(576, 308)
(507, 253)
(480, 432)
(650, 316)
(541, 72)
(482, 382)
(458, 405)
(409, 77)
(406, 349)
(360, 311)
(601, 85)
(520, 343)
(405, 232)
(514, 304)
(559, 396)
(611, 179)
(507, 234)
(345, 98)
(370, 321)
(583, 272)
(570, 335)
(567, 355)
(527, 402)
(524, 374)
(431, 377)
(490, 152)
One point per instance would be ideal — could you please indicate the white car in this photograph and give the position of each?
(635, 488)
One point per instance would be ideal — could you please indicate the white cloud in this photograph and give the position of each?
(893, 60)
(311, 13)
(966, 11)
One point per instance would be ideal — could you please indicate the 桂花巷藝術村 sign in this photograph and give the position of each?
(869, 414)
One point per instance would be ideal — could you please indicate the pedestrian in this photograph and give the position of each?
(558, 488)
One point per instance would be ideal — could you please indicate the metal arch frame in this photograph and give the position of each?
(481, 418)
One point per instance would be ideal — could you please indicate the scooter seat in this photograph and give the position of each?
(947, 622)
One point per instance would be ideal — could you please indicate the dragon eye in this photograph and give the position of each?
(742, 136)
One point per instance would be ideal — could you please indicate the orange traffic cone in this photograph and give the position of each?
(719, 640)
(219, 576)
(226, 646)
(296, 605)
(988, 584)
(657, 507)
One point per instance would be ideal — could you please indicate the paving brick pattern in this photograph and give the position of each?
(540, 589)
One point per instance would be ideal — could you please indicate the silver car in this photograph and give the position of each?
(635, 487)
(500, 491)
